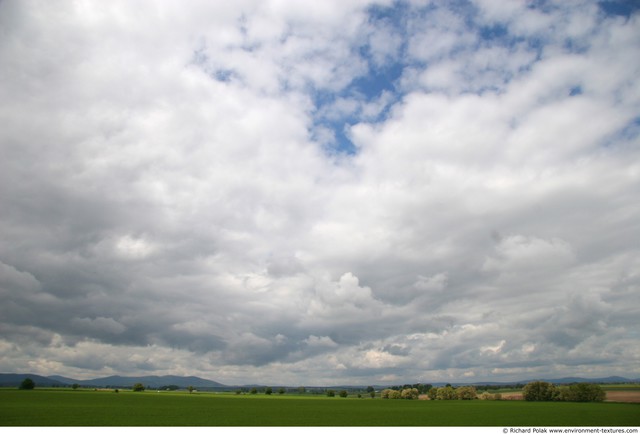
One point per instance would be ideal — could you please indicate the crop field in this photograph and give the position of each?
(64, 407)
(623, 392)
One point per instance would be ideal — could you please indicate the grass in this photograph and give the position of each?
(105, 408)
(628, 387)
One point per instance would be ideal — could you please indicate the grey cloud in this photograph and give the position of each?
(155, 218)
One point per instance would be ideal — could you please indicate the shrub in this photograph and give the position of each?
(540, 391)
(486, 396)
(582, 392)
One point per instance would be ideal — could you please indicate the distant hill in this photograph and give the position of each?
(567, 380)
(155, 381)
(152, 381)
(64, 380)
(14, 380)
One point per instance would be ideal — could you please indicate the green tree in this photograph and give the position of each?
(467, 392)
(190, 389)
(331, 393)
(446, 393)
(583, 392)
(370, 389)
(281, 391)
(411, 393)
(540, 391)
(372, 394)
(138, 387)
(253, 391)
(344, 393)
(433, 393)
(27, 384)
(268, 391)
(391, 394)
(74, 386)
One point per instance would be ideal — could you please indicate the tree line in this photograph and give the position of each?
(534, 391)
(578, 392)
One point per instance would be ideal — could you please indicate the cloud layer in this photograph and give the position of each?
(341, 192)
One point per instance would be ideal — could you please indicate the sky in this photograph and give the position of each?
(295, 193)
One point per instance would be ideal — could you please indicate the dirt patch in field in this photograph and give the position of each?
(623, 395)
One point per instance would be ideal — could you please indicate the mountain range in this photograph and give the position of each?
(154, 381)
(150, 381)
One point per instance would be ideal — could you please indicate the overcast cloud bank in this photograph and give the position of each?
(320, 193)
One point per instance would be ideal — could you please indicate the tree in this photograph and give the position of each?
(540, 391)
(390, 394)
(344, 393)
(268, 391)
(281, 391)
(190, 389)
(27, 384)
(411, 393)
(370, 389)
(467, 392)
(331, 393)
(372, 394)
(446, 393)
(138, 387)
(253, 391)
(74, 386)
(582, 392)
(433, 393)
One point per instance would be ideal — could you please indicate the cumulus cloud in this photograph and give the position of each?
(363, 192)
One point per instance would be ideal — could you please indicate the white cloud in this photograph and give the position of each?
(169, 205)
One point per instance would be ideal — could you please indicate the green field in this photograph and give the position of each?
(64, 407)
